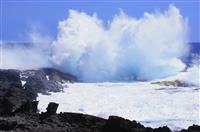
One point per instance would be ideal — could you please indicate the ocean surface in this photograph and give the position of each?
(150, 104)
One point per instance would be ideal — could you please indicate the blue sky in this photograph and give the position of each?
(17, 17)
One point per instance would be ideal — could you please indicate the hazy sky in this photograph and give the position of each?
(18, 17)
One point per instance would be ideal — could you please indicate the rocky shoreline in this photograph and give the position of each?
(18, 108)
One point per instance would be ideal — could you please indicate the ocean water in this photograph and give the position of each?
(151, 105)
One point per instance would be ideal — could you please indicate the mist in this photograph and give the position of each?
(123, 49)
(33, 54)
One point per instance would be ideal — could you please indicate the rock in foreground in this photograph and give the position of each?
(49, 121)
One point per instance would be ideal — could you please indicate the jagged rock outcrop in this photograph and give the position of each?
(59, 76)
(6, 125)
(193, 128)
(13, 100)
(12, 95)
(118, 124)
(51, 110)
(162, 129)
(38, 83)
(44, 81)
(24, 74)
(50, 74)
(9, 79)
(28, 107)
(175, 83)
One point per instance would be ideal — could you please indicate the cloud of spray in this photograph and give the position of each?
(32, 55)
(127, 49)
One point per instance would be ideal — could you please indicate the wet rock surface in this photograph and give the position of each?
(59, 76)
(38, 83)
(50, 74)
(175, 83)
(44, 81)
(18, 111)
(9, 79)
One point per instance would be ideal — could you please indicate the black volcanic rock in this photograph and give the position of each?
(162, 129)
(50, 74)
(51, 110)
(38, 83)
(9, 79)
(82, 122)
(59, 76)
(24, 74)
(12, 96)
(118, 124)
(175, 83)
(29, 107)
(13, 100)
(194, 128)
(74, 122)
(7, 125)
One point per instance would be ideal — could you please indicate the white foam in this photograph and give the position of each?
(144, 102)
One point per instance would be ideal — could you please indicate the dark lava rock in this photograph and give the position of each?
(29, 107)
(175, 83)
(7, 125)
(50, 74)
(82, 122)
(118, 124)
(13, 100)
(51, 110)
(9, 79)
(38, 83)
(162, 129)
(74, 122)
(44, 80)
(12, 95)
(194, 128)
(59, 76)
(24, 74)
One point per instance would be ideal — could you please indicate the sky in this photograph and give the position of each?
(19, 17)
